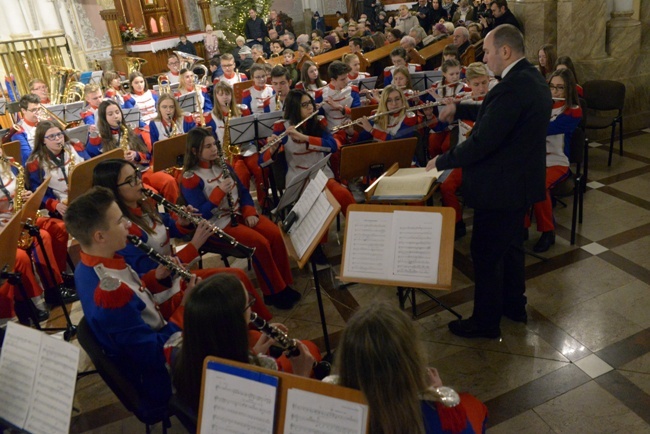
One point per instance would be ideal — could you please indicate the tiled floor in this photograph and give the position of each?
(581, 364)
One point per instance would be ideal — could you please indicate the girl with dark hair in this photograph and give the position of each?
(51, 157)
(112, 82)
(210, 186)
(546, 57)
(246, 164)
(216, 324)
(309, 78)
(565, 117)
(565, 62)
(307, 145)
(399, 57)
(380, 355)
(115, 133)
(141, 97)
(169, 120)
(156, 229)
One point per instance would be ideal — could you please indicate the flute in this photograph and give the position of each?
(281, 137)
(161, 259)
(196, 220)
(358, 121)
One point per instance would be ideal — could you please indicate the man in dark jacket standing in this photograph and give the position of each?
(504, 172)
(254, 29)
(501, 14)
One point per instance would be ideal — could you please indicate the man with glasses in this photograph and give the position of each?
(24, 130)
(39, 88)
(229, 76)
(174, 66)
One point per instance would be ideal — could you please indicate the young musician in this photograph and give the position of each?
(93, 97)
(565, 117)
(230, 75)
(39, 88)
(281, 84)
(216, 324)
(112, 82)
(352, 60)
(174, 65)
(258, 97)
(309, 79)
(450, 85)
(169, 120)
(393, 121)
(141, 97)
(188, 85)
(223, 200)
(156, 229)
(399, 57)
(380, 355)
(117, 303)
(308, 144)
(114, 133)
(24, 130)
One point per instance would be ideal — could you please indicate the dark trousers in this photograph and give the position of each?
(498, 256)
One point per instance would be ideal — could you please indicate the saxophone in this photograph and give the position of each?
(197, 92)
(25, 240)
(225, 175)
(71, 166)
(230, 151)
(124, 138)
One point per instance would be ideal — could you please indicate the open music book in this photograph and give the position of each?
(400, 246)
(37, 380)
(406, 183)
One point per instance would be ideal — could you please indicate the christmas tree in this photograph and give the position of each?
(233, 15)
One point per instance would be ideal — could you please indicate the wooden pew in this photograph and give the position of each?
(323, 60)
(238, 89)
(363, 63)
(378, 59)
(473, 52)
(432, 51)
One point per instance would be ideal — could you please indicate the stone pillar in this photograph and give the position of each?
(204, 6)
(538, 20)
(584, 24)
(623, 32)
(117, 46)
(47, 17)
(16, 23)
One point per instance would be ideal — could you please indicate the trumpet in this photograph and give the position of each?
(196, 220)
(161, 259)
(281, 137)
(358, 121)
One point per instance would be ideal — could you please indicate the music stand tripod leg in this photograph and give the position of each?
(70, 329)
(13, 277)
(321, 310)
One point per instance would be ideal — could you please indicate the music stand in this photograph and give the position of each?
(12, 149)
(57, 110)
(172, 87)
(242, 130)
(293, 191)
(365, 83)
(80, 179)
(264, 123)
(3, 106)
(166, 152)
(72, 111)
(9, 235)
(132, 117)
(357, 159)
(79, 133)
(13, 107)
(187, 102)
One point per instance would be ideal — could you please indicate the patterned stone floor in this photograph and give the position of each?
(581, 364)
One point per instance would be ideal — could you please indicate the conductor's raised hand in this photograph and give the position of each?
(447, 113)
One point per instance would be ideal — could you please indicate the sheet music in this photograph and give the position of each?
(416, 241)
(233, 404)
(368, 252)
(308, 198)
(312, 413)
(303, 235)
(43, 388)
(408, 182)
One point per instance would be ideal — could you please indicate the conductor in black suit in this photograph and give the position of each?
(503, 163)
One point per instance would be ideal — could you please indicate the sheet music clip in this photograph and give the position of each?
(289, 221)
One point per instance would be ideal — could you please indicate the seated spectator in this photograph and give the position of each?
(186, 46)
(464, 13)
(418, 33)
(393, 35)
(461, 39)
(546, 57)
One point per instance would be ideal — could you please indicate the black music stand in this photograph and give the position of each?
(263, 129)
(242, 129)
(79, 133)
(132, 117)
(368, 83)
(172, 87)
(423, 80)
(72, 111)
(187, 102)
(57, 110)
(293, 191)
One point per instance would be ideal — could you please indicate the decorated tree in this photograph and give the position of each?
(233, 15)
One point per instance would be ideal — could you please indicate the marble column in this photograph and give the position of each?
(47, 17)
(538, 19)
(581, 25)
(16, 23)
(623, 32)
(204, 6)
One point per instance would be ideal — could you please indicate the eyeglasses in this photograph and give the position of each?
(173, 63)
(34, 110)
(228, 65)
(40, 88)
(251, 302)
(54, 136)
(306, 104)
(553, 87)
(132, 180)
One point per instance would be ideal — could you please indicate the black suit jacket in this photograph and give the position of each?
(504, 158)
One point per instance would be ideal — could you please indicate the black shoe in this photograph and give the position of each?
(545, 242)
(68, 279)
(43, 315)
(461, 230)
(516, 315)
(68, 295)
(319, 256)
(283, 300)
(470, 328)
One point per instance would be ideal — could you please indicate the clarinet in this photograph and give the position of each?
(287, 344)
(321, 369)
(196, 220)
(162, 260)
(226, 174)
